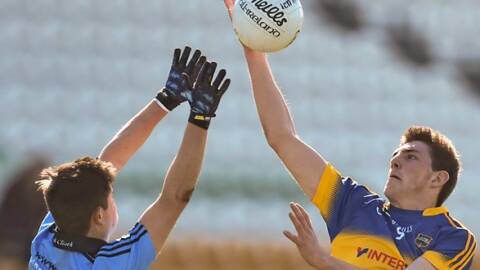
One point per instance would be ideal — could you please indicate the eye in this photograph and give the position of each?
(411, 157)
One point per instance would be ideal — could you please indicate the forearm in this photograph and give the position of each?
(271, 106)
(180, 181)
(181, 177)
(132, 135)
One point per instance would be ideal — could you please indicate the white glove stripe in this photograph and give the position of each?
(161, 105)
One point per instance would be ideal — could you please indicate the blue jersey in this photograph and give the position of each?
(368, 232)
(52, 250)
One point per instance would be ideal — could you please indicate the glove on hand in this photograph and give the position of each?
(175, 90)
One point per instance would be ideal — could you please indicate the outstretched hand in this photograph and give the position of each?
(176, 88)
(206, 94)
(306, 240)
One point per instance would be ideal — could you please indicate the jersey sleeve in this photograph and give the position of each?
(338, 199)
(132, 251)
(453, 249)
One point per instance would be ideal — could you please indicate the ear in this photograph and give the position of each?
(98, 216)
(440, 178)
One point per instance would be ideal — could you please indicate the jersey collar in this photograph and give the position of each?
(428, 212)
(79, 243)
(435, 211)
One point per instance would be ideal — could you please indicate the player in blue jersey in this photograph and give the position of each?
(82, 216)
(411, 230)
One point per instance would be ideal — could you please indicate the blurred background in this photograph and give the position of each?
(360, 72)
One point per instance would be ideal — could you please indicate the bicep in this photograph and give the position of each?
(303, 162)
(160, 218)
(421, 264)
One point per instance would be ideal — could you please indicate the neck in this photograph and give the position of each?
(419, 204)
(98, 234)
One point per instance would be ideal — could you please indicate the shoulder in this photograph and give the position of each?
(334, 186)
(456, 233)
(454, 245)
(134, 250)
(452, 230)
(44, 234)
(47, 222)
(125, 243)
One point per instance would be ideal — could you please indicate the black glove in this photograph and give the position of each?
(206, 95)
(175, 90)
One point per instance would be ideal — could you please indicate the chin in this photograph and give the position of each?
(389, 194)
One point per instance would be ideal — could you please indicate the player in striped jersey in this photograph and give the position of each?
(411, 230)
(82, 214)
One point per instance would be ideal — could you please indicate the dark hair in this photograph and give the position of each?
(442, 152)
(74, 190)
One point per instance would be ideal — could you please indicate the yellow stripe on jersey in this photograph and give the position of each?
(326, 190)
(467, 257)
(468, 246)
(436, 259)
(450, 220)
(464, 256)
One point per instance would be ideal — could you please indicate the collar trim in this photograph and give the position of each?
(79, 243)
(435, 211)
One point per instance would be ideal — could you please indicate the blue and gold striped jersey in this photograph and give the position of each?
(368, 232)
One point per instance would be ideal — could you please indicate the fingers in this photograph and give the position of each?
(219, 79)
(203, 72)
(291, 237)
(186, 52)
(305, 216)
(229, 5)
(198, 66)
(176, 56)
(193, 61)
(211, 71)
(224, 87)
(296, 223)
(300, 215)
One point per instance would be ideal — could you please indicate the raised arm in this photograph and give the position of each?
(137, 130)
(181, 178)
(178, 186)
(132, 135)
(303, 162)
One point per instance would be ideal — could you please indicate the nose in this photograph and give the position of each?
(395, 163)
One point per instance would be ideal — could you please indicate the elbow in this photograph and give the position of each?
(184, 196)
(179, 198)
(277, 140)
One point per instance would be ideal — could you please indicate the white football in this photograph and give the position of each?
(267, 25)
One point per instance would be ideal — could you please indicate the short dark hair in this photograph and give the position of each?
(74, 190)
(442, 152)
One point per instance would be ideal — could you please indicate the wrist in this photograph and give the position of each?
(200, 120)
(252, 53)
(166, 100)
(154, 112)
(322, 261)
(160, 105)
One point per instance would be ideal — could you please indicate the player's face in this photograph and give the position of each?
(111, 215)
(410, 172)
